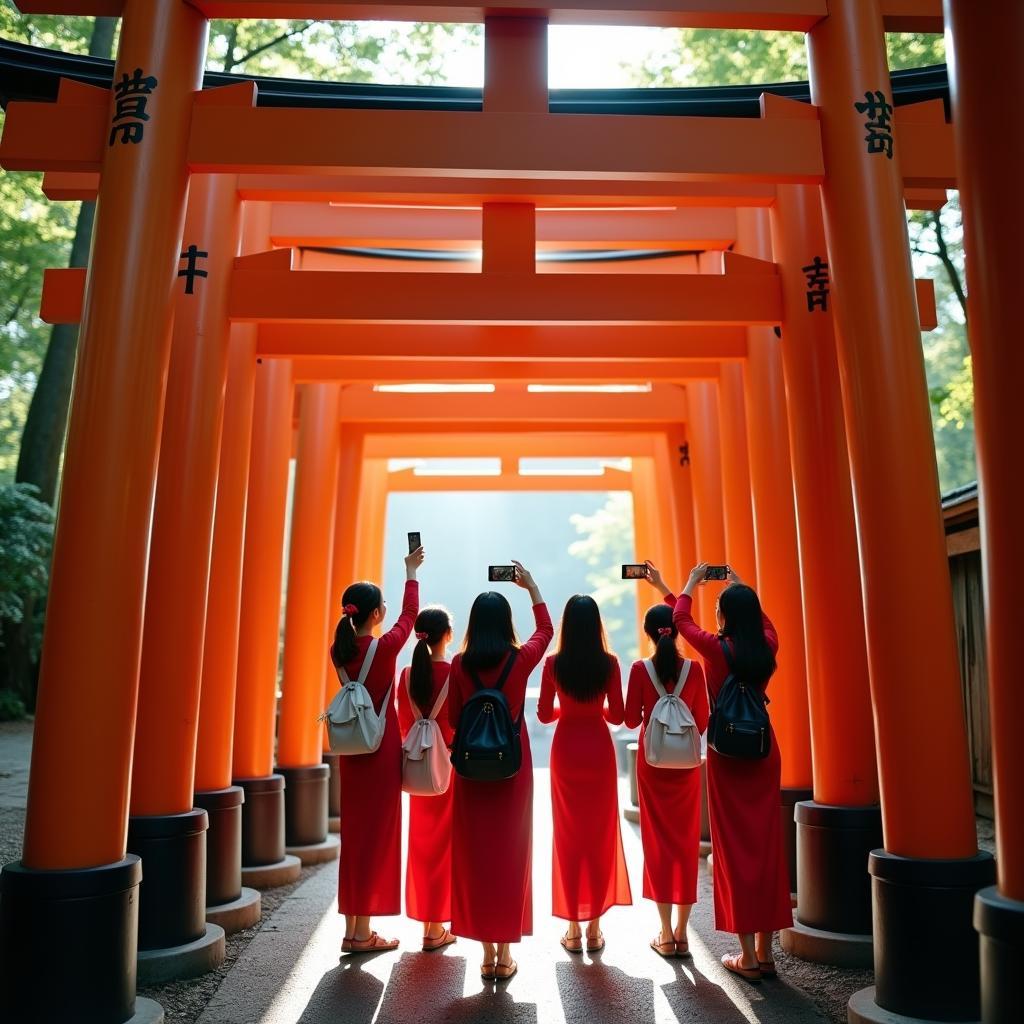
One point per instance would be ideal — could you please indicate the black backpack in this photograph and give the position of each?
(487, 746)
(739, 725)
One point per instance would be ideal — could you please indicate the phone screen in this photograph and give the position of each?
(635, 572)
(501, 573)
(716, 572)
(414, 542)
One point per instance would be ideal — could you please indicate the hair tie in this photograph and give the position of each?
(665, 631)
(350, 609)
(421, 636)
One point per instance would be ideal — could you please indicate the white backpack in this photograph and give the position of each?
(353, 727)
(426, 764)
(671, 739)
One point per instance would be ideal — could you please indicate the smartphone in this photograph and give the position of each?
(414, 542)
(636, 572)
(501, 574)
(716, 572)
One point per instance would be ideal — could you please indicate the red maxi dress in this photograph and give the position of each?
(669, 797)
(370, 867)
(751, 879)
(428, 865)
(492, 822)
(588, 864)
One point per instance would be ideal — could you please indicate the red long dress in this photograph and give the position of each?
(588, 864)
(669, 797)
(492, 822)
(428, 865)
(370, 867)
(751, 878)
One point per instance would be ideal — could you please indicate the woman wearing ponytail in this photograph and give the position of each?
(588, 865)
(669, 797)
(370, 869)
(428, 866)
(751, 878)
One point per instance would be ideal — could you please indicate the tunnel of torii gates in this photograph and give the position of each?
(768, 300)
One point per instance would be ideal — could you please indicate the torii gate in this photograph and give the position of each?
(511, 158)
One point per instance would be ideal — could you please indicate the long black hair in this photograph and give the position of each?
(582, 662)
(659, 627)
(753, 660)
(490, 634)
(433, 624)
(357, 603)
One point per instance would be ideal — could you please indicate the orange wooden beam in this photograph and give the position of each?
(414, 444)
(509, 479)
(794, 15)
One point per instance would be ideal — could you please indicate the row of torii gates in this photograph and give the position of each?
(779, 328)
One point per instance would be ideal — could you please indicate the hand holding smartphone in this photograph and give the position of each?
(716, 572)
(501, 574)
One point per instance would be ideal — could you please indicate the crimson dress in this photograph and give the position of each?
(669, 797)
(370, 867)
(428, 865)
(588, 865)
(751, 877)
(492, 822)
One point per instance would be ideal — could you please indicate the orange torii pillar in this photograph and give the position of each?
(165, 829)
(264, 860)
(705, 452)
(778, 559)
(987, 79)
(343, 553)
(681, 497)
(370, 521)
(837, 830)
(665, 464)
(228, 902)
(648, 538)
(736, 507)
(924, 881)
(299, 752)
(75, 886)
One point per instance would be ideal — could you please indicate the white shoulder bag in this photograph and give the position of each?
(671, 738)
(353, 727)
(426, 764)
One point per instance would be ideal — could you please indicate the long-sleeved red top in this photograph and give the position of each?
(609, 704)
(716, 670)
(529, 656)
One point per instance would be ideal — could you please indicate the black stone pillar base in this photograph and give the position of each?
(1000, 923)
(333, 762)
(262, 820)
(223, 843)
(833, 911)
(67, 944)
(172, 896)
(791, 796)
(926, 948)
(305, 805)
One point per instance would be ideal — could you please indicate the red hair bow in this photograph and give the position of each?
(421, 636)
(350, 609)
(665, 631)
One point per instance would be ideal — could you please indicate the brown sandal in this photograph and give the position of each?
(665, 949)
(596, 946)
(373, 944)
(572, 944)
(734, 964)
(683, 950)
(512, 968)
(444, 939)
(768, 969)
(487, 971)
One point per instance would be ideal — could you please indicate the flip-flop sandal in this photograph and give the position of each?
(683, 951)
(665, 949)
(346, 944)
(373, 944)
(512, 968)
(570, 944)
(732, 963)
(768, 969)
(596, 947)
(487, 971)
(444, 939)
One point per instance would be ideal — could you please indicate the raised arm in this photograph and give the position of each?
(700, 640)
(614, 711)
(394, 639)
(634, 710)
(533, 650)
(546, 710)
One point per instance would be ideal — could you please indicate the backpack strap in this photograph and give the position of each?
(441, 698)
(658, 684)
(364, 669)
(684, 672)
(506, 671)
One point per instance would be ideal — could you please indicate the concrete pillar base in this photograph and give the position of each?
(269, 876)
(841, 949)
(334, 824)
(631, 814)
(333, 762)
(1000, 923)
(190, 959)
(862, 1009)
(223, 843)
(306, 791)
(922, 922)
(317, 853)
(147, 1011)
(262, 822)
(237, 914)
(791, 796)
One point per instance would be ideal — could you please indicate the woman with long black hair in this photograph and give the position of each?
(669, 797)
(588, 865)
(428, 865)
(492, 821)
(370, 868)
(751, 879)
